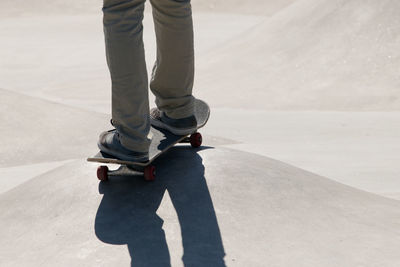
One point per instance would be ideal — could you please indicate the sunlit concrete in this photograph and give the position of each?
(313, 55)
(360, 149)
(36, 130)
(11, 177)
(207, 206)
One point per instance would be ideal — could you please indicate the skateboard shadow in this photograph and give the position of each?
(127, 213)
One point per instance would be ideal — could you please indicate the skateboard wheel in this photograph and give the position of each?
(102, 173)
(149, 173)
(196, 139)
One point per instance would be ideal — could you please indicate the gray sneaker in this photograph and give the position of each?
(109, 143)
(182, 126)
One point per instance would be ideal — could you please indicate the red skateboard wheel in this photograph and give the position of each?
(196, 139)
(102, 173)
(149, 173)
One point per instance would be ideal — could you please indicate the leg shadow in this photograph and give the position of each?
(127, 213)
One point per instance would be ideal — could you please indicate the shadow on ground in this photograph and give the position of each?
(127, 213)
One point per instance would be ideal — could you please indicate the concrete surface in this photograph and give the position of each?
(313, 55)
(301, 167)
(208, 206)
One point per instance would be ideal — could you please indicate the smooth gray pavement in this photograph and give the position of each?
(257, 211)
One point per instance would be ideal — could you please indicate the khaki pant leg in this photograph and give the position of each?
(123, 33)
(173, 72)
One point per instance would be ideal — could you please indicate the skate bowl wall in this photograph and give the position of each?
(12, 8)
(255, 7)
(313, 55)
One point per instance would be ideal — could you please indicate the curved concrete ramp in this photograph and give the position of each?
(38, 131)
(255, 7)
(216, 207)
(310, 56)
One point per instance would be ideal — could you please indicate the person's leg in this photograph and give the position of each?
(173, 72)
(123, 33)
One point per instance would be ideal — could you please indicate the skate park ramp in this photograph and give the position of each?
(207, 206)
(310, 56)
(300, 159)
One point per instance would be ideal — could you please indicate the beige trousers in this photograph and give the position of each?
(173, 72)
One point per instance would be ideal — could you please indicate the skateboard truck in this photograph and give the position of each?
(149, 171)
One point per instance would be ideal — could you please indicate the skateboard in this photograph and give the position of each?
(161, 142)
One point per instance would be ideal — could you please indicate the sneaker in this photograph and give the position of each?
(109, 143)
(182, 126)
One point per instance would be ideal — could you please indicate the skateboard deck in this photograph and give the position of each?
(162, 141)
